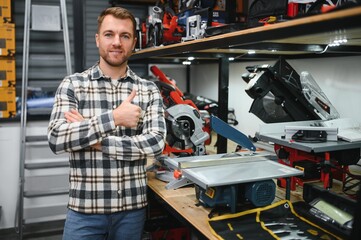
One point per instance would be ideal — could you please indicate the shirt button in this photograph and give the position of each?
(119, 169)
(119, 191)
(114, 106)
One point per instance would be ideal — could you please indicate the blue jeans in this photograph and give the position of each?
(127, 225)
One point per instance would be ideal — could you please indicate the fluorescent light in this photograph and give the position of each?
(191, 58)
(251, 51)
(337, 42)
(186, 62)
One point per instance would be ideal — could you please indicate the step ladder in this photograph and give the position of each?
(49, 18)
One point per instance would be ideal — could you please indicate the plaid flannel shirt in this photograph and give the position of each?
(113, 179)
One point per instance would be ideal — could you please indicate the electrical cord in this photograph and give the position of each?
(324, 50)
(351, 183)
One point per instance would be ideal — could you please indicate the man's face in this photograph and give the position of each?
(115, 41)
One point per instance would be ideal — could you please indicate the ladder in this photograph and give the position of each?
(37, 18)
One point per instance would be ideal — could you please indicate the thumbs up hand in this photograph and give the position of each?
(127, 114)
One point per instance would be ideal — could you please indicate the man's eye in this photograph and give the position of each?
(126, 36)
(107, 35)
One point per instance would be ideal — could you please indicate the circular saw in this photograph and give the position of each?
(185, 127)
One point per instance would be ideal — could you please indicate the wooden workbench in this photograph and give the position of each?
(183, 202)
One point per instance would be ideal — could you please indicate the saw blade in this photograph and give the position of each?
(180, 131)
(224, 129)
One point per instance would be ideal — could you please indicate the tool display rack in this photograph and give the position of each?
(306, 37)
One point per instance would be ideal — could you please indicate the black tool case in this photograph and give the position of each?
(312, 192)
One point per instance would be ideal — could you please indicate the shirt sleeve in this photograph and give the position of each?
(68, 137)
(149, 142)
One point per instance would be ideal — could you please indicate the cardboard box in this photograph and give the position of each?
(7, 39)
(7, 72)
(45, 18)
(5, 11)
(224, 11)
(7, 102)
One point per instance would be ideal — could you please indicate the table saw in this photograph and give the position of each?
(227, 179)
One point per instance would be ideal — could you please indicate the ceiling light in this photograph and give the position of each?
(337, 42)
(251, 51)
(186, 62)
(190, 58)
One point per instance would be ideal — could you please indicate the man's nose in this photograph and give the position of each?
(117, 41)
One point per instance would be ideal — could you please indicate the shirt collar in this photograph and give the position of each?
(96, 73)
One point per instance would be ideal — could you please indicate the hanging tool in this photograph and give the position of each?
(172, 31)
(154, 27)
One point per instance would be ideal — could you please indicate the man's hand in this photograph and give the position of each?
(74, 116)
(97, 146)
(127, 114)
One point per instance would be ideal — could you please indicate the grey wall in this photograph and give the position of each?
(92, 9)
(46, 49)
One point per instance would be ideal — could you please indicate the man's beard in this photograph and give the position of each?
(114, 62)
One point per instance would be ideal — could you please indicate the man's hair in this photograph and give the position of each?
(117, 12)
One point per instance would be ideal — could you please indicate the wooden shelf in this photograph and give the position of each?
(307, 35)
(136, 1)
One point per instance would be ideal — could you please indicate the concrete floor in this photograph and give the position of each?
(53, 237)
(16, 237)
(36, 231)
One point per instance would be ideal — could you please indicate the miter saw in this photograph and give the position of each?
(301, 122)
(282, 95)
(187, 132)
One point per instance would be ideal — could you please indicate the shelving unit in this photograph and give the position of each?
(298, 38)
(304, 36)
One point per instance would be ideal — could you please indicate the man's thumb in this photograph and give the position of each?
(131, 96)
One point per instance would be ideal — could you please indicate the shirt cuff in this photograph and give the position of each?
(108, 146)
(106, 123)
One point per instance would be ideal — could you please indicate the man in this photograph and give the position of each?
(110, 121)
